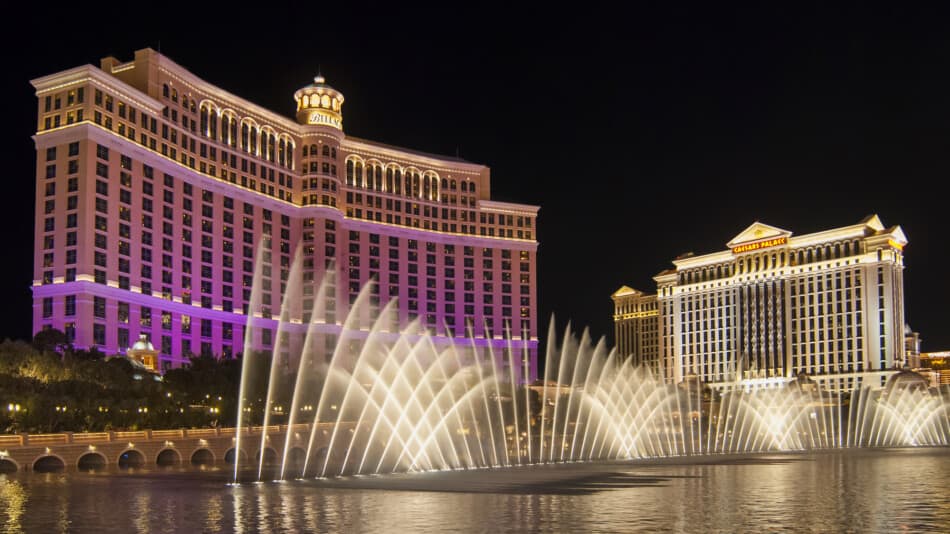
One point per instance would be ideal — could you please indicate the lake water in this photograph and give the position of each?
(856, 491)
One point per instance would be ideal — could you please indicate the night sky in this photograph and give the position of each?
(642, 135)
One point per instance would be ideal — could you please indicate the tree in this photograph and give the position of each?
(51, 340)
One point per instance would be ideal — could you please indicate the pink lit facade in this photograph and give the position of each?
(155, 190)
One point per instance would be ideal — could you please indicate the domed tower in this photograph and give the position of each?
(320, 105)
(320, 108)
(143, 353)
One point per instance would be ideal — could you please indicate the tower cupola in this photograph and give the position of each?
(318, 104)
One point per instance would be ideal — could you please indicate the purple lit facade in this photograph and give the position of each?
(155, 190)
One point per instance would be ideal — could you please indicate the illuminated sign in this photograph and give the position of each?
(758, 245)
(322, 118)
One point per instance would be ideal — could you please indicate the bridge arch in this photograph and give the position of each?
(130, 458)
(168, 456)
(317, 459)
(270, 456)
(202, 456)
(49, 463)
(8, 465)
(295, 457)
(90, 461)
(229, 456)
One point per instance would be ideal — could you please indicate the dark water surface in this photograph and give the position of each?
(863, 491)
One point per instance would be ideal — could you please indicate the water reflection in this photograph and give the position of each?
(13, 497)
(214, 513)
(141, 511)
(865, 491)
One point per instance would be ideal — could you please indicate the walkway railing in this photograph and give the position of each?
(65, 438)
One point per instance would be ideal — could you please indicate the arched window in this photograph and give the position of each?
(245, 139)
(358, 175)
(349, 172)
(326, 150)
(379, 178)
(203, 119)
(333, 152)
(471, 187)
(233, 132)
(213, 122)
(271, 147)
(445, 184)
(290, 154)
(281, 148)
(253, 145)
(397, 181)
(464, 187)
(389, 179)
(165, 91)
(174, 95)
(313, 150)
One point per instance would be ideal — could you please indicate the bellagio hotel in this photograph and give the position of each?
(155, 190)
(773, 305)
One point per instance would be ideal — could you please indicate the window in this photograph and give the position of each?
(99, 307)
(99, 334)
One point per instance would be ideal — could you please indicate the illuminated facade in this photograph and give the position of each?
(829, 304)
(155, 190)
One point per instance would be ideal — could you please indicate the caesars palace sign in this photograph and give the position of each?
(758, 245)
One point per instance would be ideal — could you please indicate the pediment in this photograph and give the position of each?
(874, 222)
(756, 232)
(625, 291)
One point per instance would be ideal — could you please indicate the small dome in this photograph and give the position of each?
(906, 379)
(143, 344)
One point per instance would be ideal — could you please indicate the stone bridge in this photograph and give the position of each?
(141, 448)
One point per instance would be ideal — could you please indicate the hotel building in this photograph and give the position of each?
(155, 190)
(773, 305)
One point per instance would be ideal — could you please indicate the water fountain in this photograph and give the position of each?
(386, 399)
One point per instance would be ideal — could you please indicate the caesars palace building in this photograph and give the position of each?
(773, 305)
(155, 190)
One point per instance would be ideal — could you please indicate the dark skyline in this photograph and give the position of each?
(641, 135)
